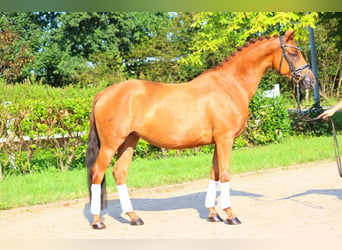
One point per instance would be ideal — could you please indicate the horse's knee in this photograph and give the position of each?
(119, 176)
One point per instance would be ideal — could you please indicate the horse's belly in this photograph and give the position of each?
(171, 143)
(175, 137)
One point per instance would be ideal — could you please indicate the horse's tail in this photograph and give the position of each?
(93, 150)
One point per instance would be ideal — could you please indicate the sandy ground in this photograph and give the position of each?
(301, 202)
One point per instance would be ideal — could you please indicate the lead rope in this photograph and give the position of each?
(306, 119)
(337, 151)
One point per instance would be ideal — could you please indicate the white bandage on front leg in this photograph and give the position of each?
(210, 198)
(95, 205)
(125, 200)
(225, 195)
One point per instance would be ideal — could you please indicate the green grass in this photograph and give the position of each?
(16, 191)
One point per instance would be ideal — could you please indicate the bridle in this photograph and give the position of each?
(297, 76)
(296, 73)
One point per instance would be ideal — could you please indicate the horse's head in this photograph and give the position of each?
(288, 60)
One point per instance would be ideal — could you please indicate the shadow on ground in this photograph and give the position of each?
(194, 201)
(329, 192)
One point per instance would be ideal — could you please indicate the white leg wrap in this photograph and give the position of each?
(95, 205)
(210, 198)
(125, 200)
(225, 195)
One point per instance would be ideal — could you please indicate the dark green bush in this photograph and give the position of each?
(268, 122)
(300, 126)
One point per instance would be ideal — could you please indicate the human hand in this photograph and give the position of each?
(326, 114)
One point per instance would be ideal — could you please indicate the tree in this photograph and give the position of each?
(56, 67)
(165, 42)
(217, 31)
(29, 30)
(329, 56)
(81, 41)
(14, 55)
(62, 48)
(91, 44)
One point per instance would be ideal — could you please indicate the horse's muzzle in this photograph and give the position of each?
(309, 80)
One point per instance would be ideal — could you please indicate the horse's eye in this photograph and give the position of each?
(293, 54)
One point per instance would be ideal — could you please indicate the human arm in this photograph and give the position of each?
(330, 112)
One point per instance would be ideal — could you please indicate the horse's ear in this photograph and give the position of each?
(289, 35)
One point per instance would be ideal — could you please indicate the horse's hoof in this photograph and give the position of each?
(99, 225)
(233, 221)
(215, 218)
(137, 222)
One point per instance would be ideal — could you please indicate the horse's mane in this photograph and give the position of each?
(240, 49)
(246, 45)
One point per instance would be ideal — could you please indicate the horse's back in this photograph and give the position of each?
(148, 93)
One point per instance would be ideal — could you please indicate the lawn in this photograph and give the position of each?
(50, 186)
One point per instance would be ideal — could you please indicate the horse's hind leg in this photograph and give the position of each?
(124, 158)
(98, 171)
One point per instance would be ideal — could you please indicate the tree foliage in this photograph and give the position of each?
(328, 33)
(61, 48)
(157, 56)
(228, 30)
(82, 41)
(14, 55)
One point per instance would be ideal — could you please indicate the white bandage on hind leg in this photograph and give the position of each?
(125, 200)
(95, 205)
(225, 195)
(210, 198)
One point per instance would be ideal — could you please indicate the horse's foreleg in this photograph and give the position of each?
(224, 147)
(125, 155)
(210, 199)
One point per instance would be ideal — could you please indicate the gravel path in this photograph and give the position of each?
(304, 201)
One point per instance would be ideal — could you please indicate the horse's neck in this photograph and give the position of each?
(248, 66)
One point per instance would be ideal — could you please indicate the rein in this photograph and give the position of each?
(297, 77)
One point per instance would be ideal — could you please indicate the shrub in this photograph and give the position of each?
(268, 121)
(312, 128)
(50, 129)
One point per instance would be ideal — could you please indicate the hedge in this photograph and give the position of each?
(42, 127)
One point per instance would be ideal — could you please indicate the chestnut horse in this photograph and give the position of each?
(210, 109)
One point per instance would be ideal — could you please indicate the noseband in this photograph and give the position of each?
(295, 72)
